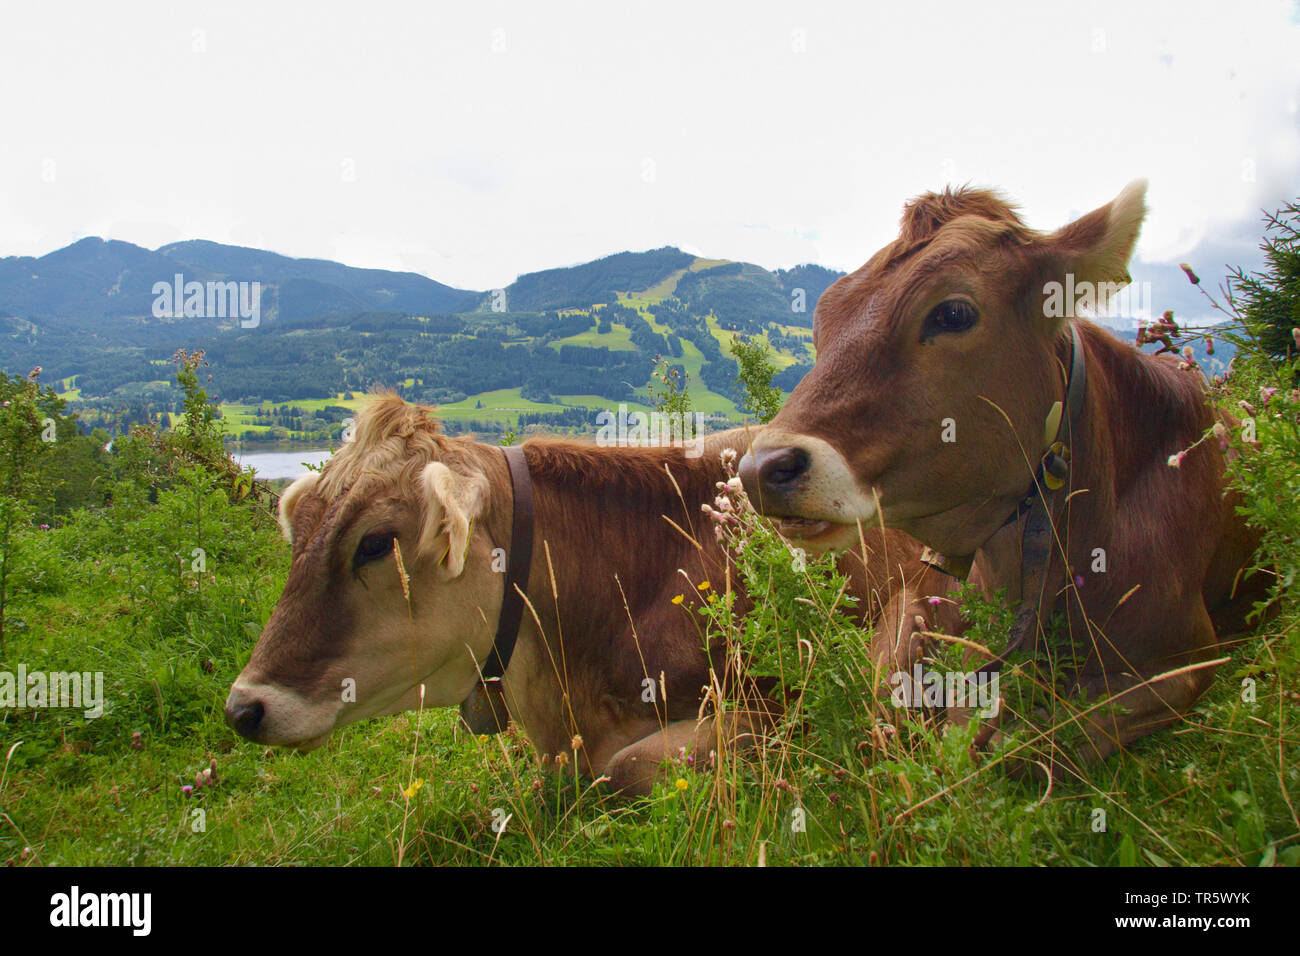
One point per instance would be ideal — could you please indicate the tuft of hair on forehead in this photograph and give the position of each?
(929, 212)
(386, 415)
(391, 440)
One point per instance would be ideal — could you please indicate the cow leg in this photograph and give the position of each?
(635, 769)
(899, 642)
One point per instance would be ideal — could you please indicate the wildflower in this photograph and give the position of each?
(734, 484)
(1209, 345)
(1191, 276)
(1295, 334)
(682, 784)
(679, 599)
(1266, 394)
(1246, 407)
(934, 601)
(576, 742)
(1221, 433)
(1078, 581)
(187, 789)
(1176, 461)
(136, 742)
(728, 456)
(414, 788)
(703, 586)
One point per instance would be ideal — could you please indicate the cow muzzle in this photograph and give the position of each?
(274, 715)
(805, 486)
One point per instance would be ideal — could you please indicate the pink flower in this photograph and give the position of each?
(1266, 394)
(1176, 461)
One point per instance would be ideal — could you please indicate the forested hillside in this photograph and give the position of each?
(545, 351)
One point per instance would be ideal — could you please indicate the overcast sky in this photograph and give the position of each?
(475, 141)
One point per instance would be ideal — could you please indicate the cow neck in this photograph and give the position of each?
(604, 513)
(1051, 476)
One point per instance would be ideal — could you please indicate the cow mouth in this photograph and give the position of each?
(311, 743)
(805, 529)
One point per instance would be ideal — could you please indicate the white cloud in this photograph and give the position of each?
(393, 136)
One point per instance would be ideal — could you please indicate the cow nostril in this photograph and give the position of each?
(780, 469)
(246, 719)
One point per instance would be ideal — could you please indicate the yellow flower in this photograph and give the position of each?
(414, 788)
(679, 599)
(702, 586)
(681, 783)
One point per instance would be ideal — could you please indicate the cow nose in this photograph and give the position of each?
(772, 473)
(245, 717)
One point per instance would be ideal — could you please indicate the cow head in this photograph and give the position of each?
(344, 641)
(938, 363)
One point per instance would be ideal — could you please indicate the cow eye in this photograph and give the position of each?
(373, 547)
(951, 315)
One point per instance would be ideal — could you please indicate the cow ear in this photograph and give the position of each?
(289, 501)
(1097, 247)
(452, 503)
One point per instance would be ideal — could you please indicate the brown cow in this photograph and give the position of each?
(608, 630)
(944, 374)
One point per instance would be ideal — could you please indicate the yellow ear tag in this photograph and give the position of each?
(1053, 423)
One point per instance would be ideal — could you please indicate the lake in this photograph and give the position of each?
(281, 463)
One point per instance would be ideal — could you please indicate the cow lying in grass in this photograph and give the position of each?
(956, 397)
(608, 623)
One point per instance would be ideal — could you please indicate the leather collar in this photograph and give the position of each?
(484, 710)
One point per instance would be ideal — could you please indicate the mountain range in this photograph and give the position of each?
(555, 342)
